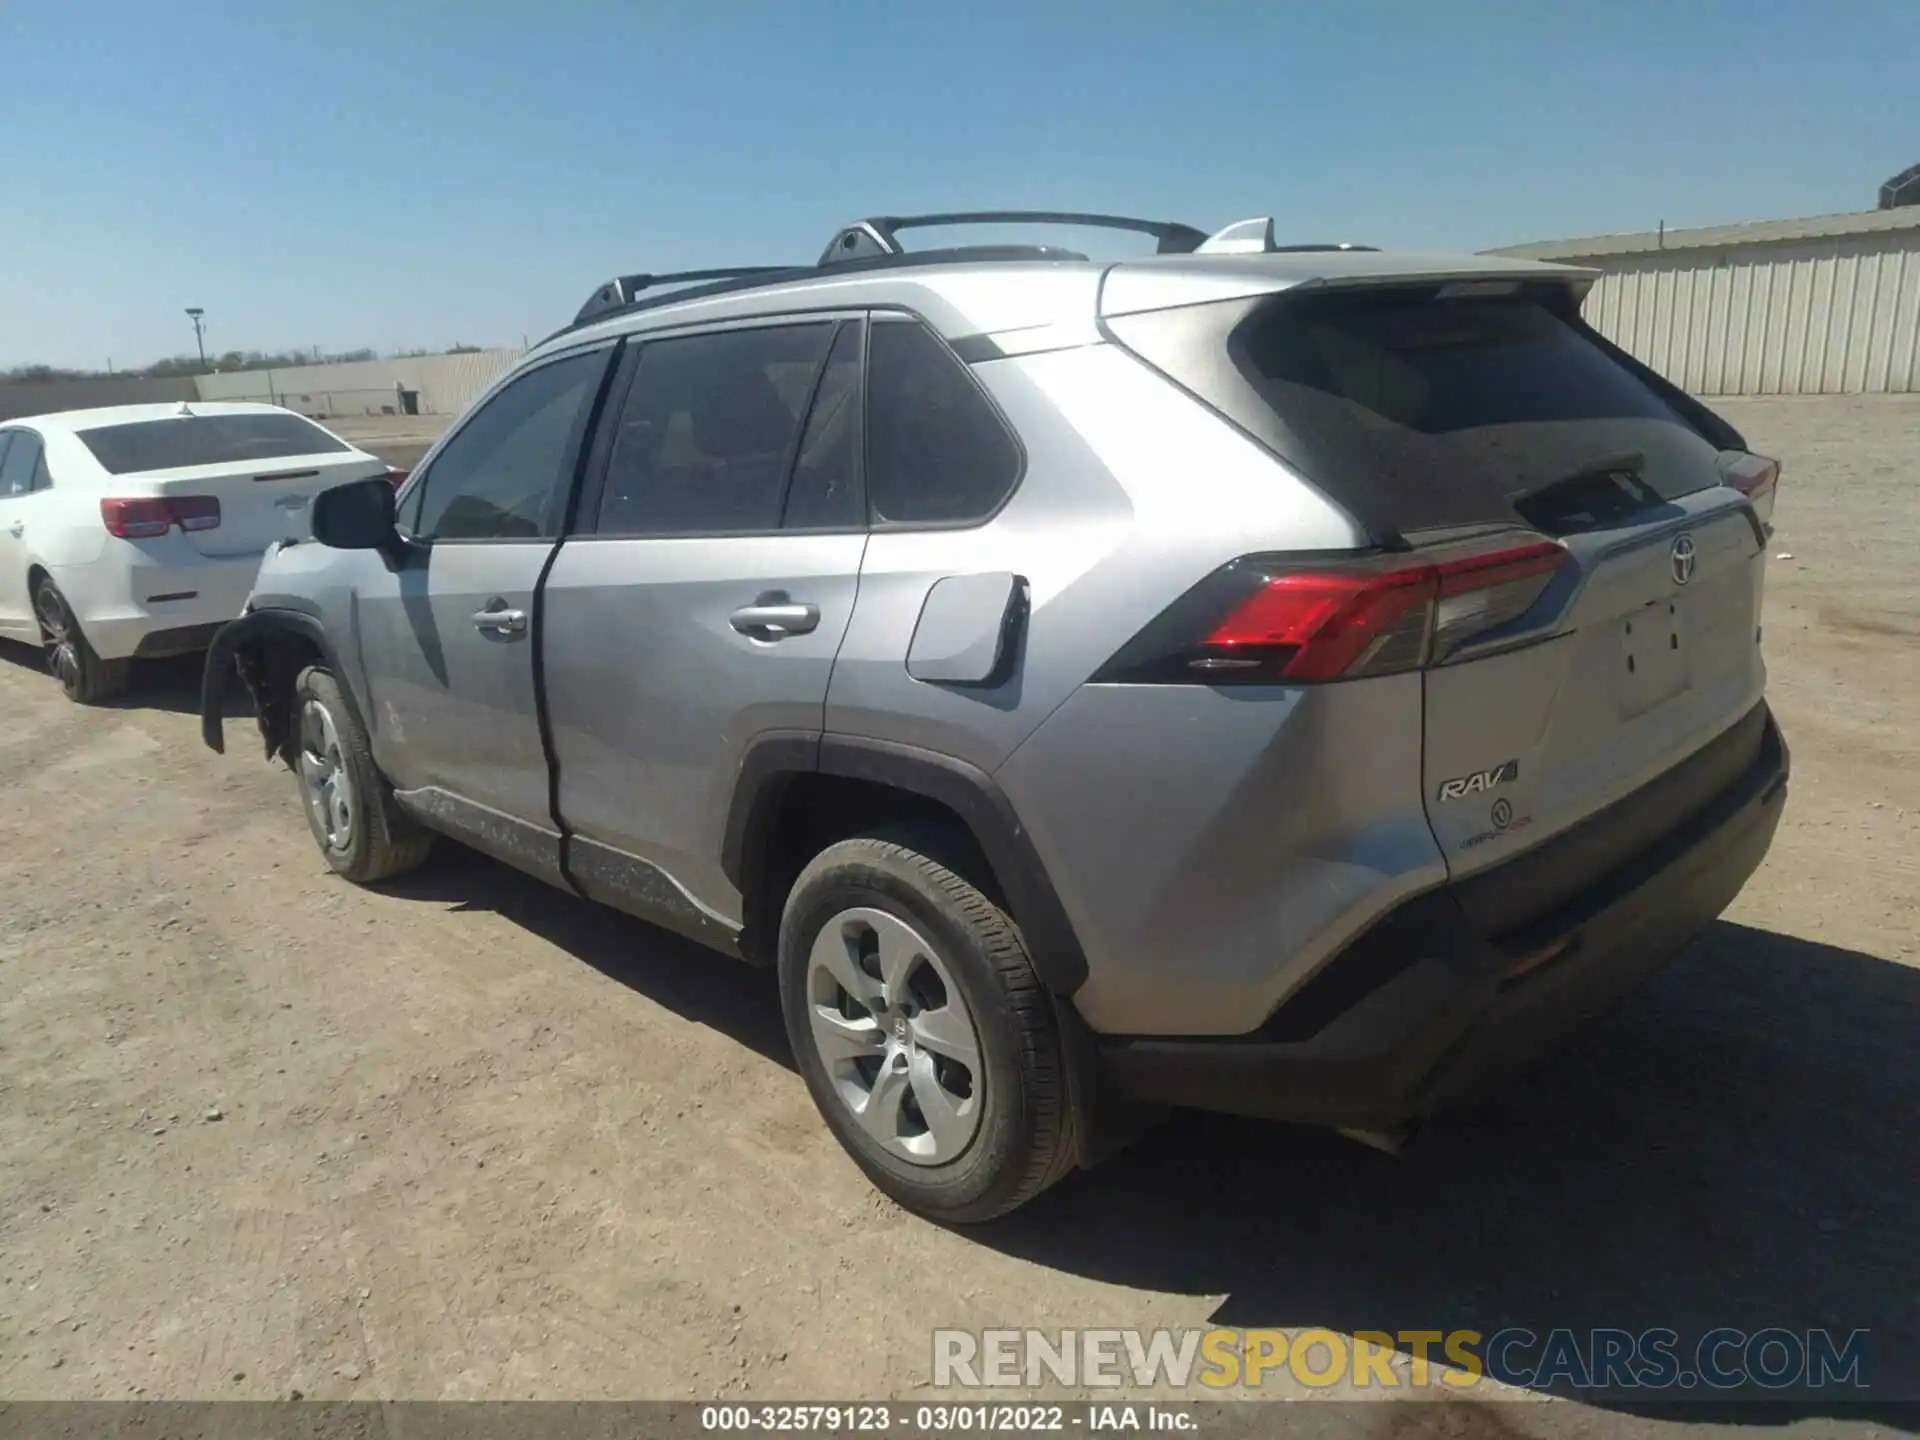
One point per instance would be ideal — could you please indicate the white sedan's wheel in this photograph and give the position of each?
(83, 675)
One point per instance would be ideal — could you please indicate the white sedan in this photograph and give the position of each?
(137, 531)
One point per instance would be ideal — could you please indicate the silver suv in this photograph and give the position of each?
(1292, 680)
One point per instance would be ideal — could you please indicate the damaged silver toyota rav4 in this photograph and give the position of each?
(1294, 680)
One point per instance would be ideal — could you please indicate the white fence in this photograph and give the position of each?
(1817, 317)
(441, 384)
(44, 397)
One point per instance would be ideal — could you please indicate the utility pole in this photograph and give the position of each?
(196, 314)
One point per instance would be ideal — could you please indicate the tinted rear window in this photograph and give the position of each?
(182, 440)
(1421, 410)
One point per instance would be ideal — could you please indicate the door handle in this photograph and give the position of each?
(775, 622)
(17, 529)
(501, 621)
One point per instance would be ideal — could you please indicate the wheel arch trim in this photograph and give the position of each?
(774, 760)
(223, 652)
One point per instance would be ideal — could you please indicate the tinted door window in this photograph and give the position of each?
(498, 478)
(825, 491)
(937, 450)
(18, 465)
(707, 435)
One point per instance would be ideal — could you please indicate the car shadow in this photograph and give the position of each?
(737, 1000)
(171, 683)
(1735, 1146)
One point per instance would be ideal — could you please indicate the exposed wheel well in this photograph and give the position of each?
(35, 574)
(269, 663)
(811, 811)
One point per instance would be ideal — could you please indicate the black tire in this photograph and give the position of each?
(83, 675)
(381, 840)
(1024, 1141)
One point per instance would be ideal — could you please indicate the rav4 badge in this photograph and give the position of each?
(1480, 781)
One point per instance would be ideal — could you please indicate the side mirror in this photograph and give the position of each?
(356, 516)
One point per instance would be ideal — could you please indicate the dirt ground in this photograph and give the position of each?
(261, 1131)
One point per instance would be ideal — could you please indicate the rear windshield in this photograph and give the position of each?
(182, 440)
(1426, 408)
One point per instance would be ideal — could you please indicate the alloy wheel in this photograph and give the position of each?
(63, 652)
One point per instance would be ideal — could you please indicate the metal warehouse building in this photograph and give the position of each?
(1823, 306)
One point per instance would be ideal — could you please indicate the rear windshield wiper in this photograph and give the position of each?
(1603, 492)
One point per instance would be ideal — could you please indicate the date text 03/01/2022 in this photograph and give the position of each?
(933, 1419)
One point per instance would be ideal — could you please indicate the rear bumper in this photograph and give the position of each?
(1426, 1010)
(177, 640)
(148, 609)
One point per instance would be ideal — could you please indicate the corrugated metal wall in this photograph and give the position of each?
(1826, 317)
(447, 383)
(43, 397)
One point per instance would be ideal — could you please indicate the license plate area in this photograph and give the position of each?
(1656, 656)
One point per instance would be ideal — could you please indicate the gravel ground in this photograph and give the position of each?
(262, 1132)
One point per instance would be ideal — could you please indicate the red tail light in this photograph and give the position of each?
(150, 518)
(396, 477)
(1253, 623)
(1326, 624)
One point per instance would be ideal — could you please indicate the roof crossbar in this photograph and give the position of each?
(877, 235)
(623, 290)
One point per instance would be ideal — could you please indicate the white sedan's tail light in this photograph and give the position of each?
(151, 517)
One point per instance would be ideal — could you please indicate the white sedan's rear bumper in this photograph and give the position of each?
(135, 604)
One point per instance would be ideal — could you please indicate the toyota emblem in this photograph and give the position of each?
(1683, 557)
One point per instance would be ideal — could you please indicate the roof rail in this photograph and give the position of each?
(1255, 237)
(622, 290)
(874, 243)
(876, 236)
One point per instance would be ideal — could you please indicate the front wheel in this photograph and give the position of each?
(83, 675)
(921, 1029)
(361, 831)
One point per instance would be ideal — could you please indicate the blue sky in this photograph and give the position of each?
(344, 173)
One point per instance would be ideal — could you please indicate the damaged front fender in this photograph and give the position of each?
(267, 649)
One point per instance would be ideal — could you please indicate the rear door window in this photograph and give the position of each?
(709, 431)
(1427, 407)
(179, 441)
(825, 492)
(18, 465)
(938, 452)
